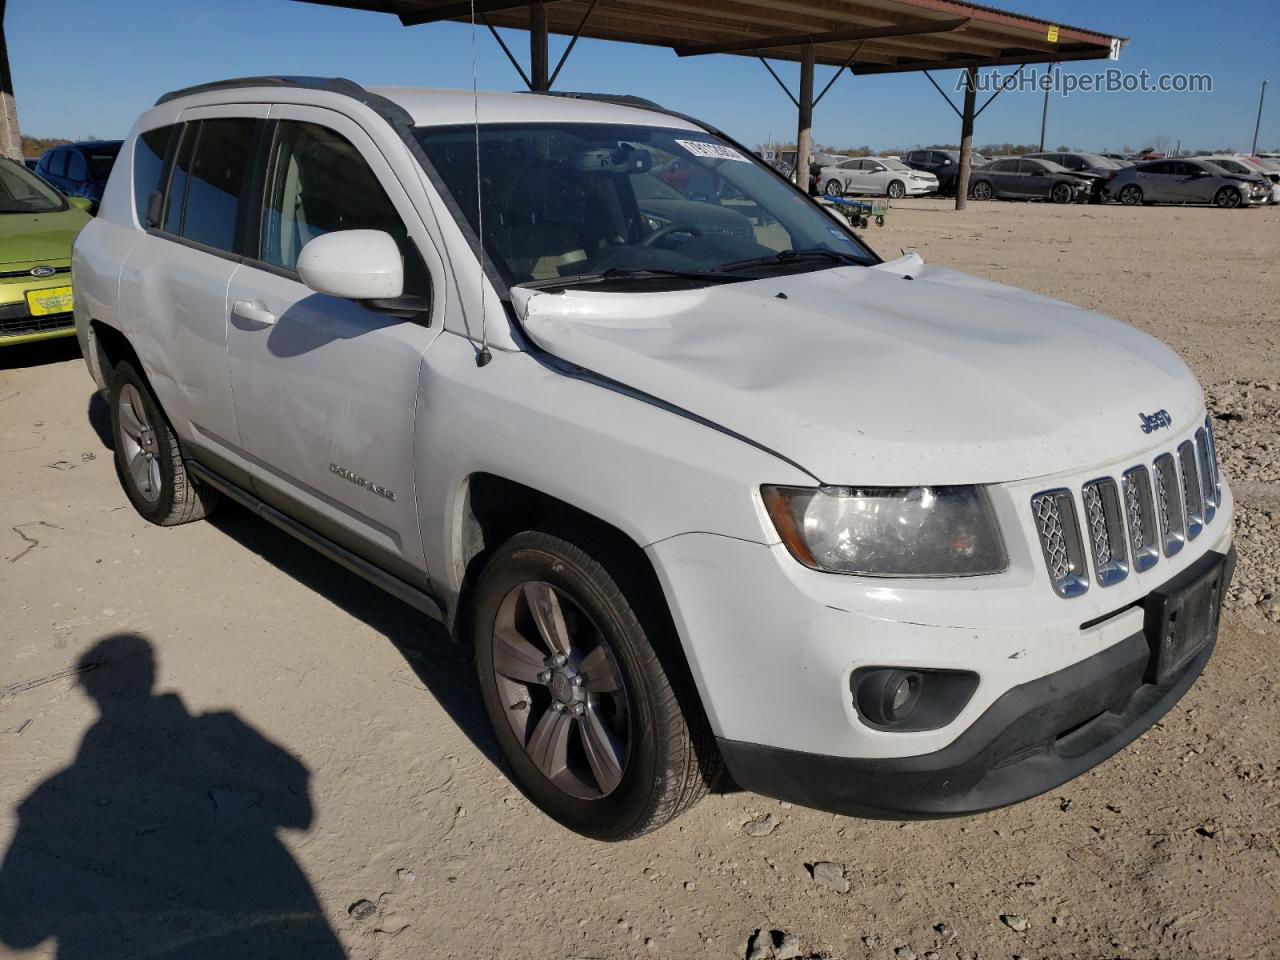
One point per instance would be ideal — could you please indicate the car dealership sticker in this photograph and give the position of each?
(714, 151)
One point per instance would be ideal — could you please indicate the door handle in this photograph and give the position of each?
(247, 311)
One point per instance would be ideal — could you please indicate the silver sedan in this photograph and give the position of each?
(1186, 181)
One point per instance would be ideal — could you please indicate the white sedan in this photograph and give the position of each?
(882, 176)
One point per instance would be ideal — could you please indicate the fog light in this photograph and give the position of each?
(895, 698)
(888, 696)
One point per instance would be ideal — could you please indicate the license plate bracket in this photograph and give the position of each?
(1182, 615)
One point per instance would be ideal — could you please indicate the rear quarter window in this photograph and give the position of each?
(149, 152)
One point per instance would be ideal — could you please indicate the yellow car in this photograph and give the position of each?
(37, 227)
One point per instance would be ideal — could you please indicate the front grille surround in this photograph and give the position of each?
(1059, 532)
(1105, 526)
(1192, 490)
(1144, 540)
(1168, 494)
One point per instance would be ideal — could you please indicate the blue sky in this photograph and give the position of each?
(84, 73)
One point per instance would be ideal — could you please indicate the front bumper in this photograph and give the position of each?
(17, 325)
(1033, 738)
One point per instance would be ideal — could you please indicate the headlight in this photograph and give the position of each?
(889, 531)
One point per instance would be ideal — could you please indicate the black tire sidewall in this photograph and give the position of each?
(974, 190)
(839, 191)
(1057, 191)
(534, 557)
(157, 510)
(1219, 198)
(1130, 191)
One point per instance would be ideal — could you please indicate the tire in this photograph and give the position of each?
(896, 190)
(832, 188)
(981, 190)
(148, 458)
(1228, 198)
(1061, 193)
(654, 755)
(1130, 195)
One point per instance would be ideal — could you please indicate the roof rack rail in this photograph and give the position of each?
(622, 99)
(332, 84)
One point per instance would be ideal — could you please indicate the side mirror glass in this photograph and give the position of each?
(353, 265)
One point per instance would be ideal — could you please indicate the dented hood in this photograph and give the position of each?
(899, 374)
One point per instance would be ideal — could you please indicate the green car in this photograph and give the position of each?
(37, 227)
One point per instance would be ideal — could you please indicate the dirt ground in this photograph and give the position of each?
(385, 787)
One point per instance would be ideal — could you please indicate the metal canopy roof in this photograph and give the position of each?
(869, 36)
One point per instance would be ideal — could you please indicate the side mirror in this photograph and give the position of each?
(84, 203)
(353, 265)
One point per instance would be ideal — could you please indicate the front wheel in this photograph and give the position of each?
(148, 459)
(896, 190)
(832, 188)
(981, 190)
(1061, 193)
(1228, 198)
(577, 667)
(1130, 195)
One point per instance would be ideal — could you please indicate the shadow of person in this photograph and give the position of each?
(160, 840)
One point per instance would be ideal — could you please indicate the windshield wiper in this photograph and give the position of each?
(614, 274)
(793, 256)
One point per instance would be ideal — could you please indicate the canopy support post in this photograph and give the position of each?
(804, 129)
(966, 137)
(539, 58)
(10, 138)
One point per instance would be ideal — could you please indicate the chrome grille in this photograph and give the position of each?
(1055, 514)
(1154, 509)
(1191, 489)
(1173, 527)
(1106, 531)
(1143, 539)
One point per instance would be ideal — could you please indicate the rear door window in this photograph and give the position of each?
(203, 200)
(58, 163)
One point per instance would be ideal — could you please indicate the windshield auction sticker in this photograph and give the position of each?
(713, 151)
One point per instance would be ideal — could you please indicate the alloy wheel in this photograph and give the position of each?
(561, 689)
(141, 445)
(982, 190)
(895, 190)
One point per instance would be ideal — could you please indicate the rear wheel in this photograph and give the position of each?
(1061, 193)
(832, 188)
(981, 190)
(148, 459)
(1227, 198)
(896, 190)
(1130, 195)
(600, 726)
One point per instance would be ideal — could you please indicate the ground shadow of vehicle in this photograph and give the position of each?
(443, 666)
(39, 353)
(160, 839)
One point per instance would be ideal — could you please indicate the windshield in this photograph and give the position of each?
(1053, 167)
(101, 160)
(21, 191)
(568, 200)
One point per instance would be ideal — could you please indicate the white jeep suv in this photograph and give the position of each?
(697, 475)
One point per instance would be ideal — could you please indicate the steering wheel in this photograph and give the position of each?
(664, 232)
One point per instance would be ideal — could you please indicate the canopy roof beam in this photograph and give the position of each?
(831, 36)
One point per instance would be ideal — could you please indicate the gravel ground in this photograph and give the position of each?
(312, 759)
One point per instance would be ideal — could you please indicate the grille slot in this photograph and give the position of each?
(1055, 514)
(1105, 525)
(1144, 540)
(1208, 470)
(1168, 498)
(1192, 495)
